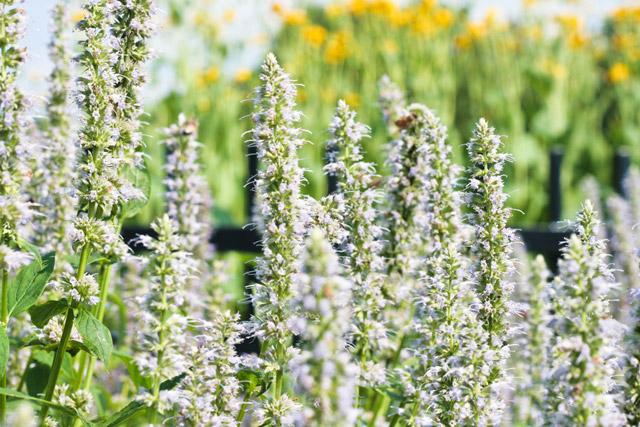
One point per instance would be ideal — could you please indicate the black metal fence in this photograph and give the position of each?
(542, 239)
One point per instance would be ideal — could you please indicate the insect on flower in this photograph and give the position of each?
(407, 121)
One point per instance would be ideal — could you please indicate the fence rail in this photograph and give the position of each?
(541, 239)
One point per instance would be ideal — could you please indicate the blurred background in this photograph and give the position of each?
(546, 73)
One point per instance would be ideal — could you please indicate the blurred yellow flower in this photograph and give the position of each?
(77, 15)
(203, 104)
(352, 99)
(315, 35)
(211, 74)
(423, 26)
(382, 7)
(337, 48)
(302, 95)
(277, 8)
(390, 46)
(328, 95)
(229, 15)
(618, 72)
(534, 32)
(358, 7)
(443, 18)
(242, 75)
(295, 17)
(399, 17)
(200, 18)
(333, 10)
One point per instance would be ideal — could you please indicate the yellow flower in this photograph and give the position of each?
(443, 18)
(277, 8)
(315, 35)
(295, 17)
(211, 74)
(358, 7)
(302, 96)
(618, 72)
(77, 15)
(382, 7)
(333, 10)
(534, 32)
(390, 46)
(201, 18)
(229, 15)
(353, 99)
(242, 75)
(559, 71)
(203, 104)
(399, 18)
(337, 48)
(423, 26)
(328, 95)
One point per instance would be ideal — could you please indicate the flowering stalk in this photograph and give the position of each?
(534, 347)
(493, 263)
(323, 371)
(392, 103)
(131, 26)
(363, 244)
(405, 217)
(55, 175)
(437, 385)
(14, 155)
(278, 185)
(161, 356)
(631, 387)
(579, 387)
(211, 378)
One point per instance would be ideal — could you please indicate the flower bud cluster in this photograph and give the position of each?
(585, 352)
(100, 236)
(80, 400)
(83, 290)
(323, 371)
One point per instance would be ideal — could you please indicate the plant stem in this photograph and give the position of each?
(3, 381)
(157, 380)
(245, 404)
(57, 363)
(66, 334)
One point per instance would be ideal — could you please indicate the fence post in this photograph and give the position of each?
(555, 184)
(621, 164)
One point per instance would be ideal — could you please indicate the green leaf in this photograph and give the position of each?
(136, 376)
(140, 179)
(134, 407)
(41, 314)
(36, 377)
(25, 289)
(131, 410)
(32, 249)
(96, 336)
(4, 350)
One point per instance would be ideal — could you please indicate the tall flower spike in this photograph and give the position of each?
(533, 348)
(210, 391)
(323, 372)
(363, 244)
(15, 149)
(392, 103)
(54, 176)
(579, 387)
(446, 328)
(132, 27)
(189, 203)
(281, 207)
(161, 355)
(493, 265)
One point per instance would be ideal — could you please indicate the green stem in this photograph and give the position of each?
(57, 364)
(157, 380)
(245, 404)
(23, 377)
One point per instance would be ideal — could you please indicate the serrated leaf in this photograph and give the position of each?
(96, 336)
(25, 289)
(141, 180)
(41, 314)
(32, 249)
(4, 350)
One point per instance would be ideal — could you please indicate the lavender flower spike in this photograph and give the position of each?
(277, 140)
(585, 353)
(493, 263)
